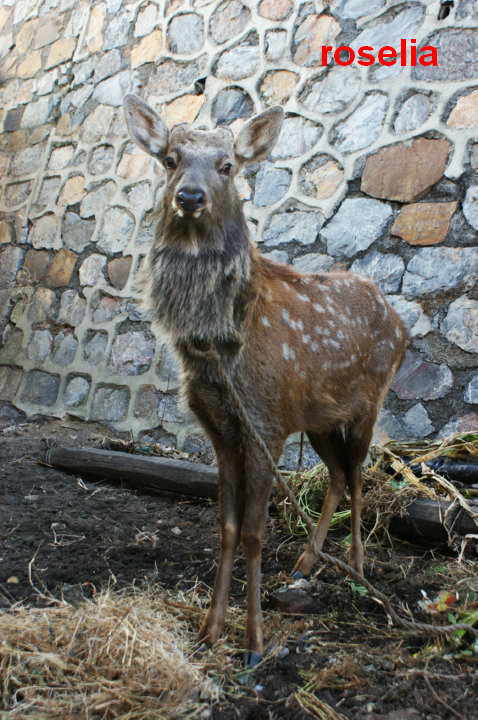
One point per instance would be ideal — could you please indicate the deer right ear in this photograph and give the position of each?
(146, 128)
(259, 135)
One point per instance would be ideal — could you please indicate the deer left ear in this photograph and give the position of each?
(259, 135)
(145, 127)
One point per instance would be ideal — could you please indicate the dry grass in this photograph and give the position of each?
(119, 655)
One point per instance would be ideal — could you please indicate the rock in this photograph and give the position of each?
(419, 379)
(61, 268)
(40, 388)
(278, 86)
(147, 401)
(39, 346)
(313, 33)
(275, 9)
(138, 194)
(183, 109)
(424, 223)
(294, 226)
(133, 165)
(363, 126)
(38, 112)
(64, 348)
(97, 124)
(116, 34)
(131, 353)
(275, 44)
(116, 230)
(49, 191)
(168, 370)
(112, 90)
(97, 199)
(148, 49)
(313, 262)
(395, 27)
(231, 104)
(118, 271)
(76, 391)
(470, 206)
(345, 236)
(110, 403)
(72, 309)
(47, 34)
(172, 76)
(228, 20)
(107, 65)
(76, 232)
(5, 232)
(90, 270)
(17, 194)
(11, 346)
(388, 427)
(94, 349)
(146, 20)
(280, 256)
(44, 232)
(413, 113)
(61, 157)
(294, 602)
(332, 91)
(321, 177)
(457, 50)
(271, 184)
(43, 305)
(101, 159)
(10, 379)
(471, 392)
(461, 323)
(464, 424)
(355, 9)
(60, 52)
(106, 309)
(405, 171)
(439, 269)
(386, 270)
(72, 191)
(418, 421)
(296, 137)
(35, 266)
(465, 112)
(27, 160)
(414, 319)
(467, 9)
(11, 259)
(239, 62)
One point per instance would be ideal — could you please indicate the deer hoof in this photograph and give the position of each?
(297, 575)
(251, 658)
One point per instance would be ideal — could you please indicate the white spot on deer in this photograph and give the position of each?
(398, 332)
(327, 332)
(306, 339)
(288, 352)
(353, 358)
(326, 365)
(340, 335)
(265, 321)
(305, 281)
(314, 347)
(297, 324)
(331, 323)
(334, 343)
(286, 316)
(303, 298)
(318, 308)
(286, 285)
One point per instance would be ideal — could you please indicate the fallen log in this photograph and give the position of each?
(424, 519)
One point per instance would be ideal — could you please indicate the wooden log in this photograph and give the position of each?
(425, 519)
(148, 473)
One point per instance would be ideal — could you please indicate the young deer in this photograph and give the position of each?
(311, 352)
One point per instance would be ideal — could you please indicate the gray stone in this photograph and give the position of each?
(229, 19)
(116, 230)
(27, 161)
(39, 346)
(10, 379)
(77, 98)
(167, 369)
(94, 349)
(385, 73)
(97, 199)
(294, 226)
(471, 391)
(101, 159)
(185, 34)
(386, 270)
(112, 90)
(13, 118)
(457, 50)
(355, 9)
(239, 62)
(38, 112)
(280, 256)
(11, 346)
(64, 348)
(145, 21)
(40, 388)
(43, 305)
(110, 403)
(17, 193)
(11, 259)
(276, 44)
(131, 354)
(170, 410)
(231, 104)
(313, 262)
(77, 232)
(411, 312)
(461, 324)
(72, 308)
(435, 269)
(61, 157)
(107, 65)
(271, 184)
(106, 309)
(139, 194)
(419, 379)
(332, 91)
(117, 32)
(90, 270)
(467, 9)
(401, 25)
(462, 424)
(297, 136)
(49, 191)
(470, 206)
(172, 76)
(147, 401)
(76, 391)
(363, 126)
(418, 421)
(83, 71)
(389, 427)
(356, 225)
(413, 113)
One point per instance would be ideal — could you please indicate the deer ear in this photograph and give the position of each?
(259, 135)
(146, 128)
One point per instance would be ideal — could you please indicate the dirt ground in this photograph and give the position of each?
(72, 536)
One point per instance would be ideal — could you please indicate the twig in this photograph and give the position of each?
(441, 701)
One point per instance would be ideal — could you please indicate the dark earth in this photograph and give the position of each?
(66, 535)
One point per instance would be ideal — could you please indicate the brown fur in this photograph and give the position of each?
(311, 352)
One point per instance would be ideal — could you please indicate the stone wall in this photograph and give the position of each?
(375, 170)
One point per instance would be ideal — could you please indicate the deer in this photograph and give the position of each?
(310, 352)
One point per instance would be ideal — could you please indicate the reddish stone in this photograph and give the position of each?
(275, 9)
(118, 271)
(35, 266)
(405, 171)
(294, 602)
(61, 268)
(424, 223)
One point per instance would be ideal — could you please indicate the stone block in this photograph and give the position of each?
(297, 136)
(271, 184)
(48, 32)
(275, 9)
(437, 269)
(321, 177)
(91, 269)
(64, 348)
(294, 226)
(356, 9)
(72, 191)
(116, 230)
(461, 323)
(419, 379)
(471, 391)
(172, 76)
(470, 206)
(405, 171)
(117, 32)
(77, 232)
(95, 346)
(27, 161)
(107, 65)
(146, 403)
(97, 124)
(11, 258)
(345, 236)
(6, 232)
(43, 305)
(424, 223)
(182, 109)
(30, 66)
(148, 49)
(13, 118)
(24, 37)
(413, 113)
(106, 309)
(418, 421)
(10, 379)
(16, 194)
(313, 33)
(457, 50)
(118, 271)
(231, 104)
(61, 268)
(101, 159)
(386, 270)
(146, 20)
(110, 403)
(239, 62)
(393, 28)
(461, 424)
(411, 312)
(363, 126)
(60, 52)
(228, 20)
(40, 345)
(131, 353)
(278, 86)
(40, 388)
(276, 44)
(76, 391)
(72, 309)
(312, 262)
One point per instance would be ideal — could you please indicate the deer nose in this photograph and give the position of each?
(191, 199)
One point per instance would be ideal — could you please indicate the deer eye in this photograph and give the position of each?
(226, 169)
(169, 163)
